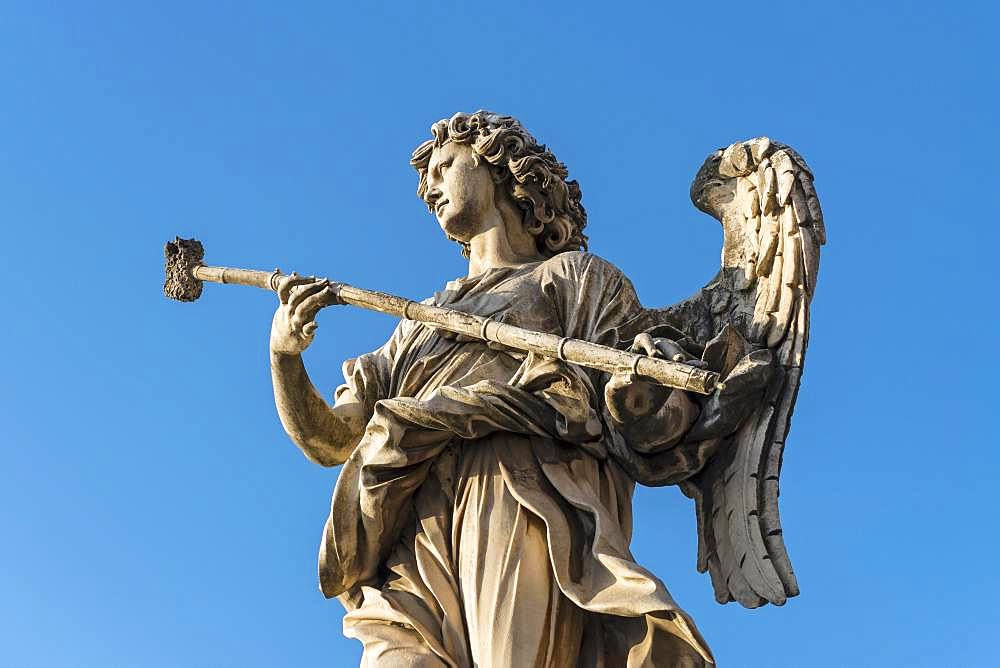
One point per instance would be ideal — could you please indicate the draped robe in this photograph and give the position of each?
(485, 516)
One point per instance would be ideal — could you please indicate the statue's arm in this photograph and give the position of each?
(326, 434)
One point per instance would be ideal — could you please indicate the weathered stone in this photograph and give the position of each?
(481, 514)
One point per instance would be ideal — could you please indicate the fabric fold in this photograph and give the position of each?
(434, 401)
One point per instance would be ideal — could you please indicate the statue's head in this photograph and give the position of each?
(521, 171)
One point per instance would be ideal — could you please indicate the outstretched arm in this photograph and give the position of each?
(326, 434)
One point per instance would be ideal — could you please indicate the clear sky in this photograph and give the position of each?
(153, 512)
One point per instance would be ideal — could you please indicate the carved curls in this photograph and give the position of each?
(536, 180)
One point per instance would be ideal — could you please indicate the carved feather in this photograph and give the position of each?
(769, 245)
(786, 180)
(746, 534)
(774, 277)
(810, 259)
(815, 213)
(759, 148)
(768, 203)
(799, 205)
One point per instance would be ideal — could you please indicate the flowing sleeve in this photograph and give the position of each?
(368, 377)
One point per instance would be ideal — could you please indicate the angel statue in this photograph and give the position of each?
(483, 513)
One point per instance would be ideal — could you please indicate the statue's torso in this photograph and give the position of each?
(540, 296)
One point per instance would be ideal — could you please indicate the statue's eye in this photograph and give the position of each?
(443, 167)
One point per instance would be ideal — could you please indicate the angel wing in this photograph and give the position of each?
(762, 193)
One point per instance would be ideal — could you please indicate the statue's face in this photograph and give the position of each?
(460, 189)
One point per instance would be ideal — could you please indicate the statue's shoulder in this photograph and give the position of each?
(581, 263)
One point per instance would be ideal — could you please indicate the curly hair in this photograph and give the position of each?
(535, 179)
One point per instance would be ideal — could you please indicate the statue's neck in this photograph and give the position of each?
(495, 247)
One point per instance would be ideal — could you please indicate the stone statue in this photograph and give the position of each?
(483, 512)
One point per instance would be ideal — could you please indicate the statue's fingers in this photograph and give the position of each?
(311, 305)
(673, 351)
(303, 292)
(309, 329)
(670, 350)
(297, 324)
(286, 284)
(644, 344)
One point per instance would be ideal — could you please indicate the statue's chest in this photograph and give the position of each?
(519, 301)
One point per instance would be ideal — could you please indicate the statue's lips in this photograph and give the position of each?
(440, 206)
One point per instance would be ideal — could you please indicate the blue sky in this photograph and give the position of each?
(153, 511)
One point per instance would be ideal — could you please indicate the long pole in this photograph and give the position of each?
(185, 274)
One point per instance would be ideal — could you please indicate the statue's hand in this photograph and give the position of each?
(630, 398)
(300, 299)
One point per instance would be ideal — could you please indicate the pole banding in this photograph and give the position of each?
(185, 274)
